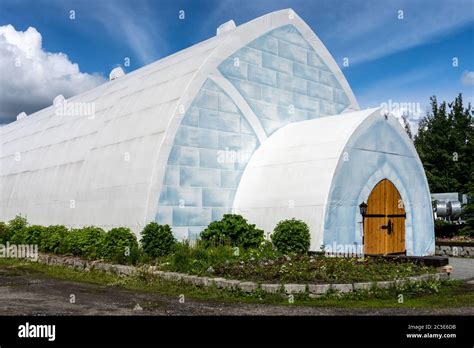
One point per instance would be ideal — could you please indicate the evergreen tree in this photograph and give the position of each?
(445, 145)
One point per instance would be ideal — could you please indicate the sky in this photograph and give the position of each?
(397, 51)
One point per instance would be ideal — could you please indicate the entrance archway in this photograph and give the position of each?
(384, 221)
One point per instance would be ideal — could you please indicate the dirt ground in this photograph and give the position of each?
(26, 293)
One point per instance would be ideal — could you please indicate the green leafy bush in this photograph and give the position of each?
(233, 230)
(291, 236)
(120, 245)
(85, 242)
(16, 230)
(28, 235)
(4, 233)
(444, 229)
(52, 239)
(157, 240)
(199, 259)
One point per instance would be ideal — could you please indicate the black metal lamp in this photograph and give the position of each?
(363, 208)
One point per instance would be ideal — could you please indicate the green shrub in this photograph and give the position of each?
(28, 235)
(234, 230)
(199, 259)
(120, 245)
(444, 229)
(16, 230)
(4, 233)
(291, 236)
(157, 240)
(52, 239)
(85, 242)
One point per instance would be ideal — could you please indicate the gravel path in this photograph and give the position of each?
(24, 293)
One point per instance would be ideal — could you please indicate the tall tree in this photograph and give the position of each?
(445, 144)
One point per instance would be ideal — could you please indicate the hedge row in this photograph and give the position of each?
(120, 244)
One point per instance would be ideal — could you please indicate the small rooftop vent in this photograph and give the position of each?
(21, 115)
(227, 26)
(116, 73)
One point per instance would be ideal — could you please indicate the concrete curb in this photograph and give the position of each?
(314, 290)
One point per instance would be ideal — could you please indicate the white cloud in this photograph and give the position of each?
(467, 78)
(31, 77)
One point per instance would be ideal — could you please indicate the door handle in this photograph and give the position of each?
(388, 227)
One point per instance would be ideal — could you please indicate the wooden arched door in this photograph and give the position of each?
(384, 221)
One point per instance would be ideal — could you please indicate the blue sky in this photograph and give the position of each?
(403, 60)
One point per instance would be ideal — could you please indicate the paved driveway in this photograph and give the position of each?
(463, 268)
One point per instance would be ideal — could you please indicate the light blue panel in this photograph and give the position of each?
(265, 110)
(218, 213)
(184, 156)
(230, 178)
(297, 66)
(248, 143)
(196, 137)
(250, 55)
(292, 52)
(195, 231)
(226, 104)
(209, 142)
(207, 99)
(315, 61)
(200, 177)
(400, 166)
(306, 72)
(291, 84)
(248, 89)
(211, 86)
(217, 197)
(290, 34)
(232, 141)
(340, 97)
(306, 103)
(328, 108)
(230, 69)
(190, 216)
(164, 216)
(277, 96)
(277, 63)
(171, 175)
(180, 195)
(328, 79)
(320, 91)
(297, 115)
(214, 159)
(218, 120)
(262, 76)
(191, 118)
(265, 43)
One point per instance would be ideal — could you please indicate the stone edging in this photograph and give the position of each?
(454, 249)
(314, 290)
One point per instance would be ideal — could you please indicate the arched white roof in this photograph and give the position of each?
(104, 164)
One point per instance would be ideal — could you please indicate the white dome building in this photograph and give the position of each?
(254, 117)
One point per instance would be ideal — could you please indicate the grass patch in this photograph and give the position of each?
(430, 295)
